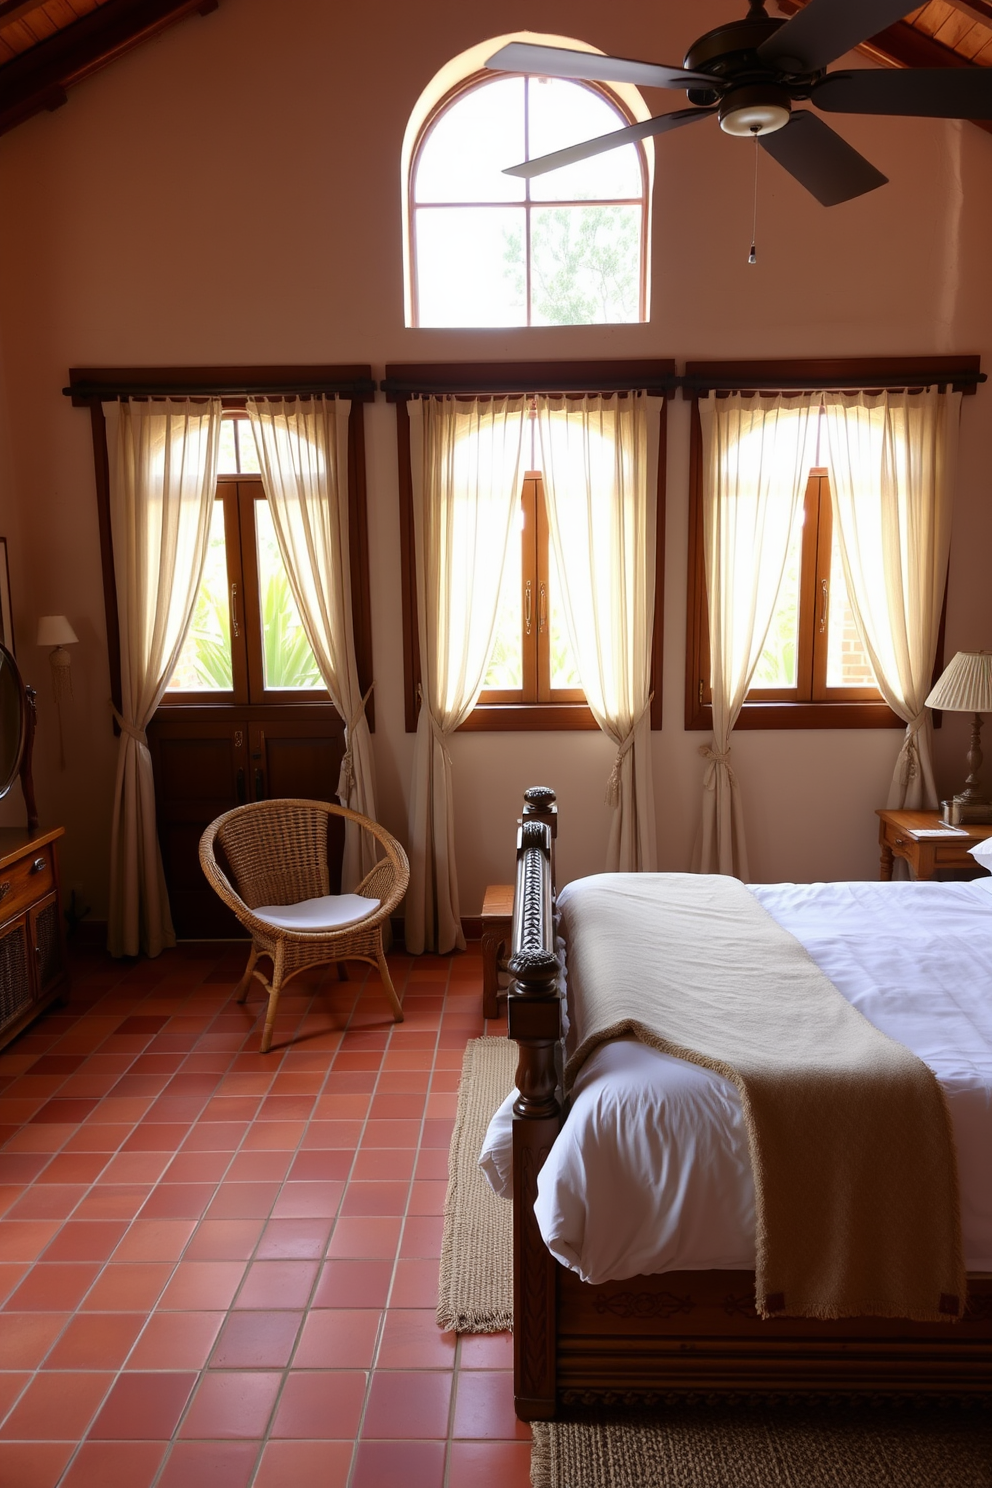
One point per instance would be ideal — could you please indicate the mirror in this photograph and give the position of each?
(16, 732)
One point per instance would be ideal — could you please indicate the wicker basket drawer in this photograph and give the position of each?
(16, 982)
(25, 881)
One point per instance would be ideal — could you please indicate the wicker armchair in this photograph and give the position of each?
(277, 852)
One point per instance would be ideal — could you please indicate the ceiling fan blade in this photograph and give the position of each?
(549, 61)
(826, 29)
(820, 160)
(933, 93)
(659, 125)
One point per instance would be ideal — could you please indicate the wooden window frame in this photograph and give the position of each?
(470, 85)
(763, 711)
(90, 387)
(238, 493)
(407, 380)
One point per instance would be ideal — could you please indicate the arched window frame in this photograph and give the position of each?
(625, 99)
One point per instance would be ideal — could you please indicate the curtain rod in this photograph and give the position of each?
(107, 392)
(397, 387)
(964, 378)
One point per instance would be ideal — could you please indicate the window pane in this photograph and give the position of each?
(287, 660)
(247, 453)
(564, 113)
(204, 663)
(847, 661)
(470, 266)
(465, 154)
(585, 265)
(227, 463)
(506, 664)
(564, 672)
(777, 665)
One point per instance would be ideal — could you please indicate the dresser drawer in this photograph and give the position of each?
(26, 880)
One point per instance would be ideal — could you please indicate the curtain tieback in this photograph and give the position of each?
(440, 737)
(138, 735)
(613, 784)
(909, 754)
(346, 775)
(716, 757)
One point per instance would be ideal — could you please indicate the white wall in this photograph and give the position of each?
(230, 193)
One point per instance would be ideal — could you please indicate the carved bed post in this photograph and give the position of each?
(534, 1022)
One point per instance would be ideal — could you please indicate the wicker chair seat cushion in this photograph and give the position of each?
(328, 912)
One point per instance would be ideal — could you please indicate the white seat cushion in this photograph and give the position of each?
(330, 912)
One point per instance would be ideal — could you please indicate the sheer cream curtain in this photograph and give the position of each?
(599, 460)
(892, 458)
(302, 448)
(163, 477)
(465, 468)
(757, 452)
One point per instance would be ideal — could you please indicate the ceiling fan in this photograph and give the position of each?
(750, 73)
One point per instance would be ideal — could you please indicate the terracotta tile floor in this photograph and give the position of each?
(219, 1269)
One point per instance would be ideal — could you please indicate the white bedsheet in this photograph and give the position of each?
(651, 1171)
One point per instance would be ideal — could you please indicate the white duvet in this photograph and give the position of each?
(651, 1170)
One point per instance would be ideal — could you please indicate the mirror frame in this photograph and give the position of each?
(25, 749)
(7, 658)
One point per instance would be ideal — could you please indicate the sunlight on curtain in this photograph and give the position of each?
(757, 451)
(465, 469)
(163, 471)
(599, 457)
(892, 461)
(302, 446)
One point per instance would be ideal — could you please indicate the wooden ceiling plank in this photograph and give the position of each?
(930, 18)
(954, 30)
(38, 77)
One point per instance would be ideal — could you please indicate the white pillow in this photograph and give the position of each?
(982, 853)
(330, 912)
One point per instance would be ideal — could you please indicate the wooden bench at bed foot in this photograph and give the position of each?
(497, 922)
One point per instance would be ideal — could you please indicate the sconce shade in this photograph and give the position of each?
(55, 630)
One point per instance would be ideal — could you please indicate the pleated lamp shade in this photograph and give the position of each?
(965, 685)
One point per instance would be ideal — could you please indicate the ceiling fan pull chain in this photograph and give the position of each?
(752, 257)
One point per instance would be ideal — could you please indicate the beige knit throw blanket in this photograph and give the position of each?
(855, 1176)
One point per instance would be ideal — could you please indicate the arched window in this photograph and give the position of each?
(486, 249)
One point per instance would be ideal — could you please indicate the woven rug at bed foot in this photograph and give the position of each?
(475, 1292)
(781, 1447)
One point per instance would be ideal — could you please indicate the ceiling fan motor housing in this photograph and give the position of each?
(759, 109)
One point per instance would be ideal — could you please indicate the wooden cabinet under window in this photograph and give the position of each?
(207, 761)
(33, 971)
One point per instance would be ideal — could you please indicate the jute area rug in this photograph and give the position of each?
(683, 1446)
(476, 1286)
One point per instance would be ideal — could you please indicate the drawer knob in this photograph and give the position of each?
(4, 890)
(39, 865)
(899, 842)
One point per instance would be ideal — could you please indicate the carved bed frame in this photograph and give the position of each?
(682, 1334)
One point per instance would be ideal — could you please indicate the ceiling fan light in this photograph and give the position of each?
(748, 111)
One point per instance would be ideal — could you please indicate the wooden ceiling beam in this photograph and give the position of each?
(38, 78)
(899, 46)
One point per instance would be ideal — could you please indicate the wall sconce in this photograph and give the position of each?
(55, 631)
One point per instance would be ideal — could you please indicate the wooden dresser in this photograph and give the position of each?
(33, 971)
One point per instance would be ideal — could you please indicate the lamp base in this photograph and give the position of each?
(958, 813)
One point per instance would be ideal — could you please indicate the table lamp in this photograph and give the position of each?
(966, 687)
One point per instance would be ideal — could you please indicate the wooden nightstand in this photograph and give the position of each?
(32, 946)
(925, 855)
